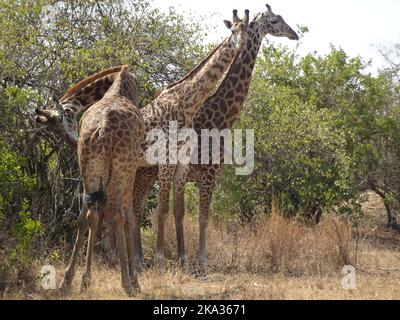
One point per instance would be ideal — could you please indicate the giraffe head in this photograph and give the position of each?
(239, 28)
(60, 119)
(273, 24)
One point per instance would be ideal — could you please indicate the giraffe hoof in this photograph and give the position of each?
(136, 289)
(135, 283)
(202, 268)
(183, 262)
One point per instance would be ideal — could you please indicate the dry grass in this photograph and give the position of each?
(273, 258)
(269, 246)
(176, 284)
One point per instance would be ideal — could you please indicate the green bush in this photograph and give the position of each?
(40, 60)
(25, 231)
(322, 127)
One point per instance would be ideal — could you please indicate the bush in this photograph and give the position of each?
(25, 232)
(324, 127)
(40, 60)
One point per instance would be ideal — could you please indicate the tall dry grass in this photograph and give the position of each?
(270, 245)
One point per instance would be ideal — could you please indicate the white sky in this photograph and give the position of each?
(355, 25)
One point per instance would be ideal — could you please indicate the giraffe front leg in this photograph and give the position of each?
(130, 250)
(205, 205)
(66, 285)
(145, 178)
(138, 256)
(179, 210)
(112, 251)
(165, 176)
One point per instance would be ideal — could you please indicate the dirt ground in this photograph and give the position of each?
(376, 254)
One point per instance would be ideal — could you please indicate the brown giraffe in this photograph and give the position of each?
(180, 102)
(220, 111)
(109, 151)
(63, 117)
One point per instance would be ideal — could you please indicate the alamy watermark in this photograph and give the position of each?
(231, 147)
(49, 16)
(48, 278)
(349, 282)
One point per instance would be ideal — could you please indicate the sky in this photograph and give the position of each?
(357, 26)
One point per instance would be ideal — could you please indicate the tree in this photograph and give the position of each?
(45, 50)
(317, 120)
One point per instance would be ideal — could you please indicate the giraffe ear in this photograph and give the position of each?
(57, 103)
(228, 24)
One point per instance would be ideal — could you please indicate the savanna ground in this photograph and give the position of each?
(273, 259)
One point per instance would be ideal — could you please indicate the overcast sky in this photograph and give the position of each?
(358, 26)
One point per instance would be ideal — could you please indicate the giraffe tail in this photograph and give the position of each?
(92, 198)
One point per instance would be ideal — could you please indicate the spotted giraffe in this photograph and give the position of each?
(220, 111)
(180, 102)
(109, 151)
(62, 118)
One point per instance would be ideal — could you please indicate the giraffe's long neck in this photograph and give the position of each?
(188, 95)
(224, 106)
(84, 98)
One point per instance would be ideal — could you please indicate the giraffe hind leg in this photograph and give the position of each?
(94, 198)
(66, 285)
(120, 214)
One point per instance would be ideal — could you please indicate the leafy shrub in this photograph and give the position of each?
(25, 232)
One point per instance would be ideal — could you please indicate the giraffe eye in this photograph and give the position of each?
(274, 21)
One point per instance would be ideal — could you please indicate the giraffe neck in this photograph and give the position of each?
(188, 95)
(92, 93)
(87, 96)
(224, 106)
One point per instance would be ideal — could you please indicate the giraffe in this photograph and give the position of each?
(109, 150)
(180, 102)
(62, 119)
(220, 111)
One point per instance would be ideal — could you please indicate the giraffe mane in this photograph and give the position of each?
(114, 90)
(90, 80)
(197, 68)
